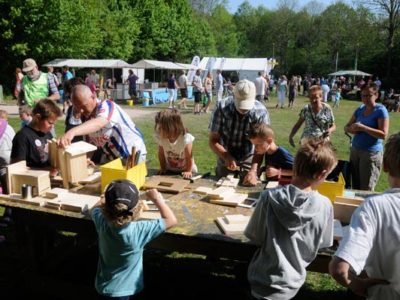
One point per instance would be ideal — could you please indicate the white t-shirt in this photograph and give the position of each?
(373, 243)
(197, 84)
(182, 80)
(6, 143)
(175, 152)
(260, 84)
(119, 135)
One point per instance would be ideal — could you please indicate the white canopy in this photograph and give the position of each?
(89, 63)
(247, 68)
(156, 64)
(350, 73)
(238, 64)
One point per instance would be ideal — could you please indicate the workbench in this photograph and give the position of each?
(196, 231)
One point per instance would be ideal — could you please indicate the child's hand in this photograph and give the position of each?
(187, 175)
(53, 172)
(250, 179)
(272, 172)
(90, 163)
(155, 196)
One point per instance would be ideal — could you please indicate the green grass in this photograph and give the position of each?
(282, 121)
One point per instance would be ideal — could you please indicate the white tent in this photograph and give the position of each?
(156, 64)
(247, 68)
(89, 63)
(350, 73)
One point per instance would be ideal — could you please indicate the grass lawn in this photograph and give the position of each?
(282, 120)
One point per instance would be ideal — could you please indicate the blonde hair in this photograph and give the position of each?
(169, 123)
(117, 219)
(313, 157)
(262, 131)
(391, 156)
(3, 114)
(314, 88)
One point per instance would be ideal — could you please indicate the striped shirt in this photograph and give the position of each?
(119, 135)
(234, 127)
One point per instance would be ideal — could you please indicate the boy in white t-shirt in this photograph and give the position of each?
(372, 244)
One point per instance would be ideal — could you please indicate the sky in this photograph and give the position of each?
(269, 4)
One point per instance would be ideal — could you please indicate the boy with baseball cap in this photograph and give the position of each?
(122, 238)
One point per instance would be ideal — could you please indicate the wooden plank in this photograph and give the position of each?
(73, 202)
(54, 193)
(62, 167)
(221, 192)
(95, 177)
(166, 184)
(228, 181)
(80, 148)
(343, 207)
(203, 190)
(233, 228)
(230, 200)
(53, 153)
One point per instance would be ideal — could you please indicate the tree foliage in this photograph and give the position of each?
(308, 40)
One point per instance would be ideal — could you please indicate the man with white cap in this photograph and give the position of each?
(36, 85)
(229, 126)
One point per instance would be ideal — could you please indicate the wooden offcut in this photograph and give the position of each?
(343, 207)
(233, 224)
(230, 200)
(229, 181)
(166, 184)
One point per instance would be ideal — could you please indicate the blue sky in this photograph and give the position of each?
(270, 4)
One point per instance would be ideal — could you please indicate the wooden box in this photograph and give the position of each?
(343, 207)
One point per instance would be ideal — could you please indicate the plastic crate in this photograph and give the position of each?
(331, 189)
(115, 170)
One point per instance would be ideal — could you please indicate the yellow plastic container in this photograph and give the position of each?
(130, 102)
(331, 189)
(115, 170)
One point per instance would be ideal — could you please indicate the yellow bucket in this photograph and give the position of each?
(115, 170)
(332, 189)
(130, 102)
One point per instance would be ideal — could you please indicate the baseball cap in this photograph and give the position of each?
(122, 191)
(245, 94)
(28, 65)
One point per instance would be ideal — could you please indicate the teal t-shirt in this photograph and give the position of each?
(120, 266)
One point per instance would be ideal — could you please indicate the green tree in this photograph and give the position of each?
(46, 29)
(119, 30)
(223, 27)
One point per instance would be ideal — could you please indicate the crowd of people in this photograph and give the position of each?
(290, 223)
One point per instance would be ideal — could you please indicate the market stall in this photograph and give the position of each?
(152, 89)
(118, 68)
